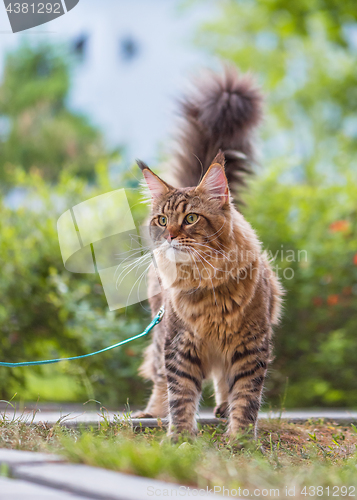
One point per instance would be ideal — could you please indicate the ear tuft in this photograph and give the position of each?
(142, 165)
(219, 158)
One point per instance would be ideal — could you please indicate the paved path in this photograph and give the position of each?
(37, 476)
(74, 416)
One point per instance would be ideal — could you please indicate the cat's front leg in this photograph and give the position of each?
(247, 374)
(184, 382)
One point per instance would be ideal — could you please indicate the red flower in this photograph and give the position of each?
(339, 225)
(332, 300)
(355, 259)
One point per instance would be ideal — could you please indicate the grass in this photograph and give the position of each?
(294, 456)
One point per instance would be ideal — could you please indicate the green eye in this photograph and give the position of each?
(191, 218)
(162, 220)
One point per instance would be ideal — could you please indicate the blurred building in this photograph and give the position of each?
(134, 59)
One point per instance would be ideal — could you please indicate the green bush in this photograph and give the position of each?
(47, 312)
(312, 233)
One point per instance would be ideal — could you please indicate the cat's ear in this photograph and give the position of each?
(214, 182)
(157, 186)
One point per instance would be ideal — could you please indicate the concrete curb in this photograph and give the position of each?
(75, 418)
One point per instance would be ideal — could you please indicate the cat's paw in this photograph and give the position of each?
(241, 438)
(181, 434)
(141, 414)
(221, 411)
(181, 437)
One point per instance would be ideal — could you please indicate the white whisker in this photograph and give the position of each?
(140, 277)
(132, 266)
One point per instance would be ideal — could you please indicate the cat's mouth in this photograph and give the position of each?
(176, 245)
(175, 251)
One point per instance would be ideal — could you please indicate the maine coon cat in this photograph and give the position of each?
(223, 298)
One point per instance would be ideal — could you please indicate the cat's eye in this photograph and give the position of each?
(191, 218)
(162, 220)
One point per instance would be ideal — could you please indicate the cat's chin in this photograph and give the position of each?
(171, 253)
(177, 255)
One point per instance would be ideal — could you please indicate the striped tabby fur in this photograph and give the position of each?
(220, 294)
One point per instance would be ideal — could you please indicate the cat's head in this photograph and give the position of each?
(193, 223)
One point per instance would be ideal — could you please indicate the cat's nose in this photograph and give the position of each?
(172, 233)
(171, 237)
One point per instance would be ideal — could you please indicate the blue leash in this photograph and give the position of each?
(148, 329)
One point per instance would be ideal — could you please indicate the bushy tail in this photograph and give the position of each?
(221, 114)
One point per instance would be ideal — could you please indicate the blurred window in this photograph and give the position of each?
(80, 45)
(129, 49)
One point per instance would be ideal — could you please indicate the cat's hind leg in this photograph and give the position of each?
(153, 369)
(157, 405)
